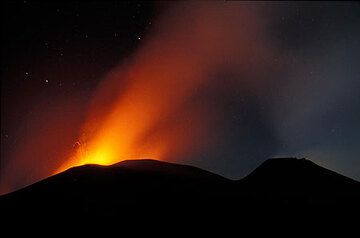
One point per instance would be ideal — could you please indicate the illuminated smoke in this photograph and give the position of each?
(147, 108)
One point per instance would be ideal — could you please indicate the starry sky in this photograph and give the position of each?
(290, 89)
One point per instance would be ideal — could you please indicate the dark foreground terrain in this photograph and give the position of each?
(140, 189)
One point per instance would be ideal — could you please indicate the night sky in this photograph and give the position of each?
(277, 79)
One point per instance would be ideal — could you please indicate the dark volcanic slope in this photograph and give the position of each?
(300, 181)
(115, 188)
(149, 184)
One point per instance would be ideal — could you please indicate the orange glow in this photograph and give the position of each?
(141, 109)
(130, 129)
(161, 103)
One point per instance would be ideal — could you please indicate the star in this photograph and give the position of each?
(27, 75)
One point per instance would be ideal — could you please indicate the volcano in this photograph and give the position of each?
(134, 186)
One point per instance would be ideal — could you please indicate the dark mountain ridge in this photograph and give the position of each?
(149, 185)
(300, 180)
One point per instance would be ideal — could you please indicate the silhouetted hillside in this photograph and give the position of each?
(291, 180)
(135, 186)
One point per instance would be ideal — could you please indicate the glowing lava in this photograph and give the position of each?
(158, 104)
(147, 108)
